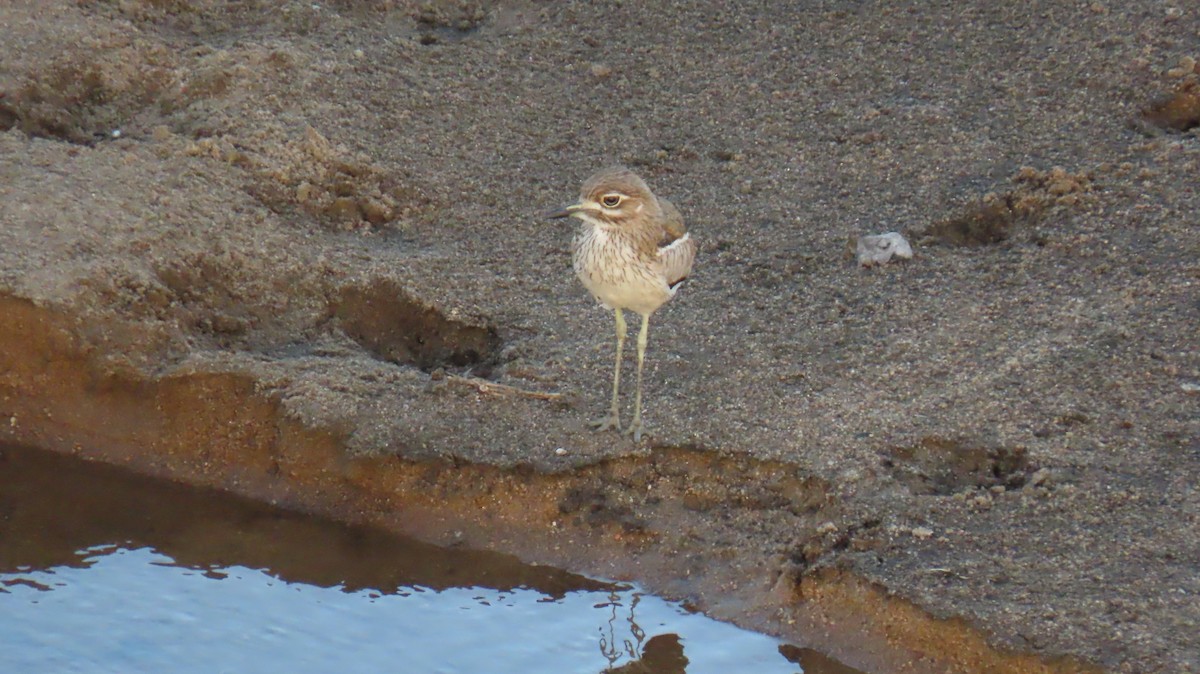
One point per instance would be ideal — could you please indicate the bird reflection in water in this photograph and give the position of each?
(660, 654)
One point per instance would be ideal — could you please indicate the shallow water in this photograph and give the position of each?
(103, 571)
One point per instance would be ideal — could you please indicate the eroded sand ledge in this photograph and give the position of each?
(215, 429)
(308, 268)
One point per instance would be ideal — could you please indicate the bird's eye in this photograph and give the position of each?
(610, 200)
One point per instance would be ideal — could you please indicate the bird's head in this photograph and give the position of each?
(613, 197)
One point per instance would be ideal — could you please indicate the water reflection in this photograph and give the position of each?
(102, 571)
(662, 654)
(52, 506)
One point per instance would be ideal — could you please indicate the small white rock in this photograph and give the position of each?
(1041, 477)
(875, 249)
(922, 532)
(1189, 387)
(561, 451)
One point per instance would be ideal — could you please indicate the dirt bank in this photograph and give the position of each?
(292, 248)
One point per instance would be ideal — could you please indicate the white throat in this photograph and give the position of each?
(591, 220)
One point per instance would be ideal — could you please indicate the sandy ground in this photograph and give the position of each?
(341, 200)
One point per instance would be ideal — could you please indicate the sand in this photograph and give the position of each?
(341, 202)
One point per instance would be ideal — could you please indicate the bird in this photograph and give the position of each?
(632, 253)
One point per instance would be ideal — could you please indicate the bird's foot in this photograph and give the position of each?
(635, 429)
(610, 421)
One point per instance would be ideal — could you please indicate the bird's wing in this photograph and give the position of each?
(676, 248)
(676, 258)
(672, 222)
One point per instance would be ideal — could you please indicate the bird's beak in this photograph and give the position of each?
(566, 212)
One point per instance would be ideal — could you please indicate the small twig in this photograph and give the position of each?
(945, 572)
(491, 388)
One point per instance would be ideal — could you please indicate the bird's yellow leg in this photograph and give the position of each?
(613, 418)
(635, 427)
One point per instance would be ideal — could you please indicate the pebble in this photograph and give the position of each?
(305, 192)
(561, 451)
(922, 533)
(344, 209)
(1186, 66)
(877, 249)
(1041, 477)
(376, 212)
